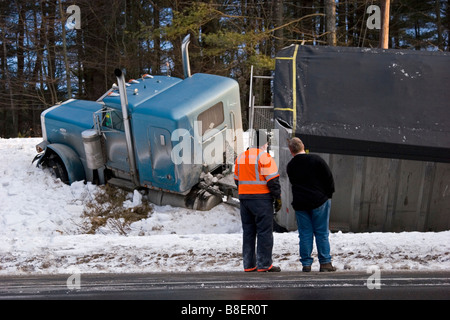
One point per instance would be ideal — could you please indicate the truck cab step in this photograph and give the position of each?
(122, 183)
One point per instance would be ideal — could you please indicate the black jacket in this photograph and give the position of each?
(312, 181)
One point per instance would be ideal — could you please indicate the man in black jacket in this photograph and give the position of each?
(312, 189)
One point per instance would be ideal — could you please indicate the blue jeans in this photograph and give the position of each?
(314, 223)
(257, 226)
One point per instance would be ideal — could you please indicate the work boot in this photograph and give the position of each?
(306, 269)
(327, 267)
(271, 269)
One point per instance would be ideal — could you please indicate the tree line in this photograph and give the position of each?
(45, 59)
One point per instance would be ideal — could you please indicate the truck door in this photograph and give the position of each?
(163, 169)
(115, 143)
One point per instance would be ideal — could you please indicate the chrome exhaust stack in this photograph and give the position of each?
(127, 126)
(185, 56)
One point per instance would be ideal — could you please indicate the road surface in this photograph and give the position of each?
(230, 286)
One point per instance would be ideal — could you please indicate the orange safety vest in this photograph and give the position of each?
(253, 168)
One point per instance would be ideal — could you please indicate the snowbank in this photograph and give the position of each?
(41, 218)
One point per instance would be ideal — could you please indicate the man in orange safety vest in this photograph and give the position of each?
(257, 178)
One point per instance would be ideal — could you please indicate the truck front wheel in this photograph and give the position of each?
(57, 168)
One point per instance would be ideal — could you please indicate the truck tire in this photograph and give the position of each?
(57, 168)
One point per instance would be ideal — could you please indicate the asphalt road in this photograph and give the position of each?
(233, 286)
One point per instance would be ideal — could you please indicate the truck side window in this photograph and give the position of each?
(212, 117)
(113, 119)
(108, 120)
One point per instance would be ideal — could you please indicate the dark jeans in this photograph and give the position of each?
(257, 225)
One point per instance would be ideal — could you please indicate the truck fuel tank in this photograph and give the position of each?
(93, 147)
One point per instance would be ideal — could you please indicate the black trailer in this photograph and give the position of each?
(381, 118)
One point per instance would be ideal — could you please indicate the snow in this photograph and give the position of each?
(41, 233)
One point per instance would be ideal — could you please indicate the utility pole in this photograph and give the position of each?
(384, 32)
(330, 10)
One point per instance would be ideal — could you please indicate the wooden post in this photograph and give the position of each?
(330, 9)
(384, 32)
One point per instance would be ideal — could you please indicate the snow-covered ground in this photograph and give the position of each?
(41, 219)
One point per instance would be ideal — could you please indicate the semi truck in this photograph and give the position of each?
(167, 136)
(380, 118)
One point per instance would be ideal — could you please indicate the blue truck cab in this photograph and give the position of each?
(158, 133)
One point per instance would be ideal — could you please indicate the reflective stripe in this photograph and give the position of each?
(252, 182)
(272, 176)
(257, 166)
(267, 269)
